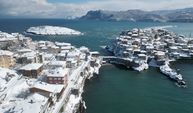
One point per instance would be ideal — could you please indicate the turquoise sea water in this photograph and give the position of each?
(116, 89)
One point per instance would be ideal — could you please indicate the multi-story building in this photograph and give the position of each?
(6, 59)
(31, 70)
(57, 76)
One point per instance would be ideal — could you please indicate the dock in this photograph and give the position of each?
(117, 60)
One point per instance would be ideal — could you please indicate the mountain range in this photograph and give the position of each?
(177, 15)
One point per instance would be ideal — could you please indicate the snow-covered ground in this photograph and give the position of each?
(8, 78)
(52, 30)
(18, 99)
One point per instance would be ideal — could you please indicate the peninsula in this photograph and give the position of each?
(140, 48)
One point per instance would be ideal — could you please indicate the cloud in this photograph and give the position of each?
(45, 9)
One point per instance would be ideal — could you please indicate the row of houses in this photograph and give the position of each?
(45, 70)
(159, 44)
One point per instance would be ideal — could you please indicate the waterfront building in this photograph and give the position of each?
(84, 49)
(41, 43)
(95, 54)
(160, 55)
(142, 57)
(62, 44)
(173, 49)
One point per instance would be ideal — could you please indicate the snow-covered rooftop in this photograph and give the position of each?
(24, 50)
(6, 36)
(62, 44)
(53, 88)
(4, 52)
(33, 66)
(57, 63)
(73, 54)
(48, 55)
(58, 72)
(64, 51)
(42, 42)
(18, 99)
(55, 47)
(7, 77)
(29, 54)
(94, 53)
(141, 55)
(66, 47)
(160, 53)
(173, 47)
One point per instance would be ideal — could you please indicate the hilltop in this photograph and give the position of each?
(177, 15)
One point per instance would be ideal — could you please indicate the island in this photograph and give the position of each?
(52, 30)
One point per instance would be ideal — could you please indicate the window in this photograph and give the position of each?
(59, 78)
(50, 78)
(34, 73)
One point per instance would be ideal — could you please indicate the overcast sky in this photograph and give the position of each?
(74, 8)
